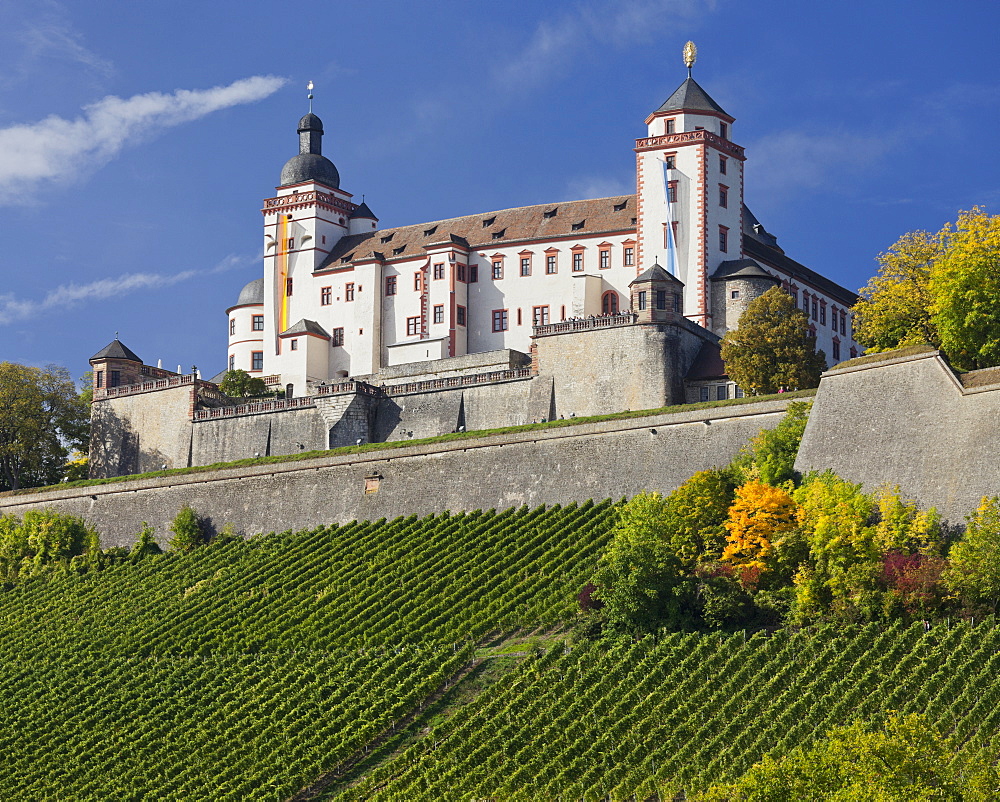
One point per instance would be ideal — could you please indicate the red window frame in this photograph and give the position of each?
(501, 320)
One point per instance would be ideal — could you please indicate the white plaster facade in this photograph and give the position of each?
(342, 297)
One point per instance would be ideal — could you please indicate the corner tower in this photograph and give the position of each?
(689, 189)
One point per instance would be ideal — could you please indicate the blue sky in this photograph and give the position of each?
(137, 140)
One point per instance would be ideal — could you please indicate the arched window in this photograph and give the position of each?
(609, 303)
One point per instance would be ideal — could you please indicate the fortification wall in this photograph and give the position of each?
(905, 418)
(608, 459)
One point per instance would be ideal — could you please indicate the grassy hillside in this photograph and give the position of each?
(396, 661)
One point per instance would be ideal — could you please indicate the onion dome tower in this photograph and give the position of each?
(310, 164)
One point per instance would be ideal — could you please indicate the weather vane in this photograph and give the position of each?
(690, 56)
(309, 86)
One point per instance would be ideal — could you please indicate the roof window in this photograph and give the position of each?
(578, 225)
(500, 234)
(346, 259)
(399, 250)
(488, 221)
(551, 212)
(620, 207)
(429, 231)
(388, 237)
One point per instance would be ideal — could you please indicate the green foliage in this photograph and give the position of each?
(43, 538)
(769, 457)
(966, 284)
(904, 759)
(41, 414)
(639, 578)
(240, 384)
(145, 544)
(940, 289)
(694, 514)
(894, 309)
(772, 348)
(974, 562)
(188, 529)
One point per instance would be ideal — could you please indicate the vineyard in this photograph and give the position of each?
(249, 670)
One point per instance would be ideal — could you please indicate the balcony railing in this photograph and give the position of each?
(253, 408)
(586, 324)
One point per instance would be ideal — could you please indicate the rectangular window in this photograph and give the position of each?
(499, 320)
(349, 291)
(550, 264)
(525, 265)
(815, 308)
(672, 191)
(805, 302)
(519, 316)
(671, 126)
(390, 285)
(677, 302)
(671, 162)
(836, 349)
(540, 316)
(232, 362)
(723, 130)
(723, 239)
(497, 269)
(100, 378)
(854, 352)
(473, 274)
(232, 325)
(723, 196)
(460, 272)
(438, 271)
(722, 165)
(578, 261)
(337, 337)
(734, 294)
(739, 392)
(294, 345)
(721, 392)
(412, 326)
(629, 256)
(291, 243)
(605, 257)
(416, 281)
(439, 313)
(661, 299)
(257, 360)
(288, 287)
(822, 314)
(703, 393)
(325, 296)
(258, 322)
(642, 299)
(843, 323)
(460, 315)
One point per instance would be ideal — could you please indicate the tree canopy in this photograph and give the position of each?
(41, 418)
(939, 289)
(772, 349)
(240, 384)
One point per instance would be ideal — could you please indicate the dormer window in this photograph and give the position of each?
(500, 234)
(550, 213)
(488, 221)
(388, 237)
(430, 231)
(620, 207)
(399, 250)
(579, 225)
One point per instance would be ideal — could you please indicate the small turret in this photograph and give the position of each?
(115, 365)
(657, 297)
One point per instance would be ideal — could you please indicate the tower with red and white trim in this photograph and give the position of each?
(689, 161)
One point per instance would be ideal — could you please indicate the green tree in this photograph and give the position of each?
(772, 349)
(639, 579)
(895, 308)
(189, 532)
(966, 284)
(973, 570)
(42, 416)
(240, 384)
(903, 760)
(694, 514)
(41, 538)
(769, 457)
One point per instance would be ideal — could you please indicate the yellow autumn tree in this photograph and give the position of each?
(759, 515)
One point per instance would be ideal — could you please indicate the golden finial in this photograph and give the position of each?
(690, 56)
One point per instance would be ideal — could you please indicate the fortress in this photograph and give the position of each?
(488, 320)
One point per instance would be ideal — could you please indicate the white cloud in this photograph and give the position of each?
(13, 309)
(557, 42)
(59, 150)
(789, 161)
(599, 187)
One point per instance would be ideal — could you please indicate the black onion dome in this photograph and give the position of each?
(310, 167)
(252, 293)
(310, 122)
